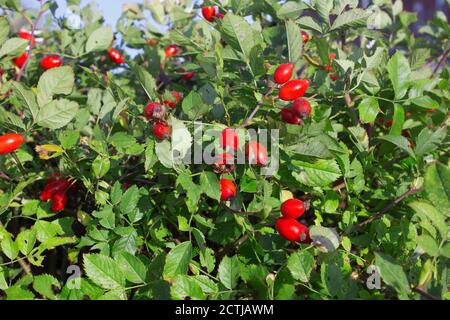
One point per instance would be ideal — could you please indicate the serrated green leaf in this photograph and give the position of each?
(103, 271)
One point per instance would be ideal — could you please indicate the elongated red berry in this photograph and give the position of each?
(171, 51)
(10, 142)
(116, 56)
(256, 153)
(59, 201)
(283, 73)
(229, 139)
(288, 116)
(293, 89)
(209, 13)
(161, 130)
(154, 110)
(301, 107)
(305, 37)
(20, 61)
(50, 62)
(292, 208)
(292, 230)
(227, 189)
(27, 36)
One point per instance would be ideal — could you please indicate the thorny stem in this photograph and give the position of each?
(391, 205)
(258, 106)
(30, 44)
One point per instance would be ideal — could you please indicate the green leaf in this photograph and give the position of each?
(146, 80)
(130, 199)
(25, 241)
(332, 278)
(400, 142)
(43, 285)
(106, 216)
(326, 239)
(301, 264)
(428, 213)
(309, 23)
(353, 18)
(18, 293)
(368, 109)
(163, 150)
(398, 119)
(323, 8)
(184, 286)
(193, 105)
(181, 139)
(177, 260)
(133, 268)
(57, 114)
(428, 244)
(291, 10)
(58, 80)
(26, 97)
(13, 47)
(103, 271)
(100, 166)
(428, 140)
(425, 102)
(210, 185)
(399, 74)
(317, 174)
(4, 29)
(295, 43)
(9, 248)
(100, 39)
(229, 272)
(392, 273)
(437, 187)
(238, 33)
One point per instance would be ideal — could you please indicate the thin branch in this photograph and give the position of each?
(30, 44)
(391, 205)
(258, 106)
(441, 61)
(425, 294)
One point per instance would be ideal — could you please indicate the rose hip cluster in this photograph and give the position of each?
(157, 113)
(210, 14)
(288, 227)
(56, 190)
(292, 90)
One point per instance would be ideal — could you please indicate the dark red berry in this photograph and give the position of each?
(161, 130)
(301, 107)
(227, 189)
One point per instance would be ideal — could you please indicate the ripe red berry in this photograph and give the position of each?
(292, 230)
(176, 97)
(256, 153)
(50, 62)
(187, 75)
(332, 56)
(283, 73)
(161, 130)
(333, 77)
(220, 15)
(116, 56)
(54, 186)
(227, 189)
(293, 89)
(328, 68)
(209, 13)
(305, 37)
(224, 163)
(27, 36)
(171, 51)
(59, 201)
(10, 142)
(154, 110)
(301, 107)
(292, 208)
(288, 116)
(20, 61)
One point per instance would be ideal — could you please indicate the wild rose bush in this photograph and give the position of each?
(96, 202)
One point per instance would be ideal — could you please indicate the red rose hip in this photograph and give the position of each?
(305, 37)
(292, 230)
(293, 89)
(227, 189)
(116, 56)
(292, 208)
(209, 13)
(154, 110)
(10, 142)
(171, 51)
(229, 139)
(20, 61)
(301, 107)
(59, 201)
(283, 73)
(50, 62)
(288, 116)
(161, 130)
(256, 153)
